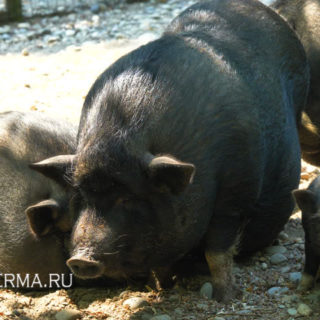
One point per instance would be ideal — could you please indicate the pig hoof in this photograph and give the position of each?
(306, 283)
(226, 294)
(160, 281)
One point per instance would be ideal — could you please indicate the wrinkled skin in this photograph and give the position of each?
(308, 201)
(192, 137)
(30, 245)
(304, 18)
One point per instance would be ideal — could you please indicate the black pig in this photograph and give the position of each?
(191, 136)
(309, 202)
(31, 205)
(304, 16)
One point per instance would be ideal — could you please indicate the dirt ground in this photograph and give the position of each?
(56, 84)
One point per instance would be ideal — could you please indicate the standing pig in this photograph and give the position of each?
(309, 202)
(31, 205)
(191, 136)
(304, 17)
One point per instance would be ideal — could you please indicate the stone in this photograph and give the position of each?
(283, 236)
(285, 269)
(95, 8)
(274, 291)
(135, 303)
(68, 314)
(202, 306)
(295, 277)
(264, 266)
(70, 33)
(275, 249)
(304, 309)
(278, 258)
(206, 290)
(25, 52)
(292, 311)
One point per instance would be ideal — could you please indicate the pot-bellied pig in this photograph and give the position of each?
(193, 135)
(33, 208)
(304, 17)
(308, 201)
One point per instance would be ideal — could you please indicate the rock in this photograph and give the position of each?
(95, 8)
(52, 39)
(304, 309)
(295, 277)
(264, 266)
(275, 249)
(135, 303)
(70, 33)
(4, 29)
(25, 52)
(202, 306)
(218, 318)
(285, 269)
(23, 25)
(206, 290)
(283, 236)
(68, 314)
(161, 317)
(278, 258)
(292, 311)
(274, 291)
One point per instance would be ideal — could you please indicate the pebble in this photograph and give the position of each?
(206, 290)
(278, 258)
(25, 52)
(161, 317)
(295, 277)
(304, 309)
(135, 303)
(285, 269)
(264, 266)
(95, 8)
(68, 314)
(283, 236)
(276, 249)
(292, 311)
(218, 318)
(202, 306)
(277, 291)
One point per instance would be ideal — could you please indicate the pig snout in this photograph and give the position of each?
(85, 268)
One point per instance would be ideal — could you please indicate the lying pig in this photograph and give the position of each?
(309, 202)
(304, 17)
(191, 137)
(25, 195)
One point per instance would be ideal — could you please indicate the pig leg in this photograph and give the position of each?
(161, 278)
(221, 246)
(310, 269)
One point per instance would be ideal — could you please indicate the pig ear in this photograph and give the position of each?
(170, 174)
(55, 168)
(42, 216)
(306, 200)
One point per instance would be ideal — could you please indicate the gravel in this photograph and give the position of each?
(57, 60)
